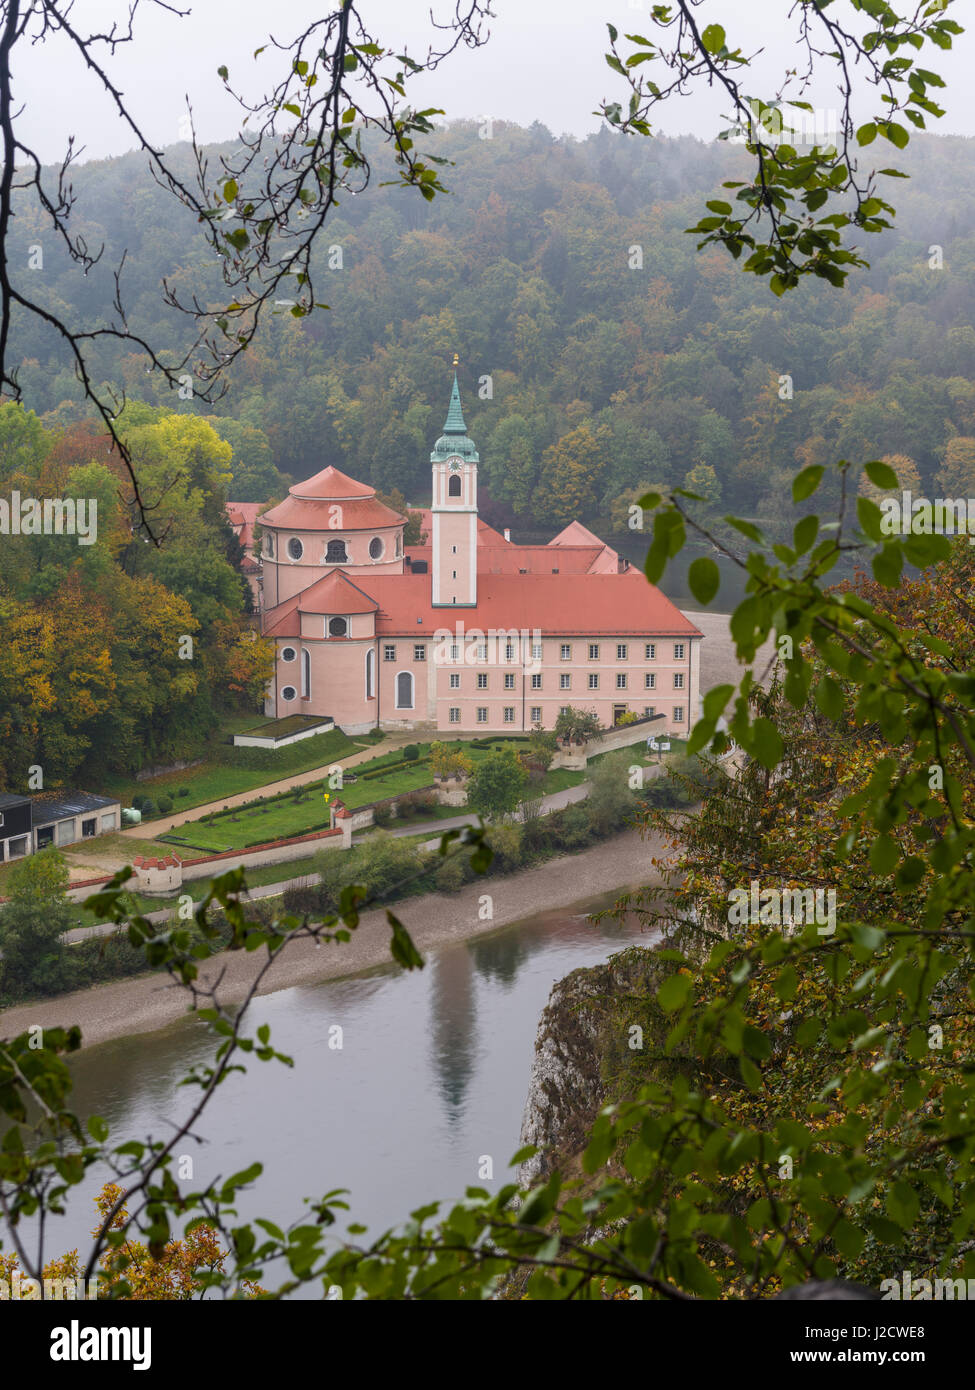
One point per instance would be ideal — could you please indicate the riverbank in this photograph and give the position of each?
(148, 1002)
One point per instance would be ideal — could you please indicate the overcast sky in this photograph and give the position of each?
(544, 62)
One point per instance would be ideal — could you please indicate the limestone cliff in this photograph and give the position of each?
(580, 1058)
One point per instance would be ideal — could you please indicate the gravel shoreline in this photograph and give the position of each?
(147, 1002)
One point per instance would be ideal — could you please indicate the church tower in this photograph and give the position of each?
(454, 511)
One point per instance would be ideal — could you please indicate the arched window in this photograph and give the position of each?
(370, 674)
(399, 544)
(295, 548)
(305, 673)
(453, 485)
(336, 553)
(376, 548)
(338, 627)
(404, 690)
(269, 542)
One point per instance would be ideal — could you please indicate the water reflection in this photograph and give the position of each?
(431, 1077)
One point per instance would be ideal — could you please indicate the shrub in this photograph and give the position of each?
(572, 829)
(453, 873)
(424, 801)
(411, 752)
(138, 801)
(405, 807)
(382, 814)
(183, 791)
(165, 805)
(506, 842)
(148, 808)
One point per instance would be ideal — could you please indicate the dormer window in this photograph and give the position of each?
(376, 548)
(338, 627)
(336, 554)
(295, 548)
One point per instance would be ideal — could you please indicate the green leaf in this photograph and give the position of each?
(713, 38)
(704, 579)
(673, 992)
(881, 474)
(804, 484)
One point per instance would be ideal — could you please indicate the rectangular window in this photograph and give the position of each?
(454, 649)
(563, 709)
(454, 680)
(649, 651)
(509, 714)
(536, 651)
(482, 651)
(678, 651)
(536, 714)
(678, 714)
(620, 651)
(482, 680)
(454, 714)
(678, 680)
(482, 714)
(565, 652)
(509, 651)
(419, 652)
(389, 653)
(537, 681)
(453, 574)
(620, 680)
(650, 711)
(593, 681)
(565, 682)
(509, 682)
(650, 681)
(593, 651)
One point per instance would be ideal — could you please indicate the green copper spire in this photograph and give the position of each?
(455, 441)
(454, 423)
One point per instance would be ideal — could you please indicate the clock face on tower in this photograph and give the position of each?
(454, 462)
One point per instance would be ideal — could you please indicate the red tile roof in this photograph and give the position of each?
(560, 604)
(358, 514)
(335, 593)
(332, 486)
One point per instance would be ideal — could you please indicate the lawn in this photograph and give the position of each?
(214, 779)
(307, 810)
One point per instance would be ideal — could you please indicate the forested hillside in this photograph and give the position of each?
(605, 377)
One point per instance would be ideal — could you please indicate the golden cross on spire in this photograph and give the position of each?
(456, 359)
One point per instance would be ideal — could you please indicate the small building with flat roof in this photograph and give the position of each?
(63, 817)
(15, 827)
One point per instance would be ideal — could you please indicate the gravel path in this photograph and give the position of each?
(147, 1002)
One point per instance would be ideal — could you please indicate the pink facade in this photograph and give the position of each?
(467, 632)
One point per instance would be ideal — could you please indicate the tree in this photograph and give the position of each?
(497, 784)
(31, 925)
(703, 480)
(956, 476)
(908, 478)
(448, 761)
(577, 725)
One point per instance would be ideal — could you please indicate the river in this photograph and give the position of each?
(430, 1079)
